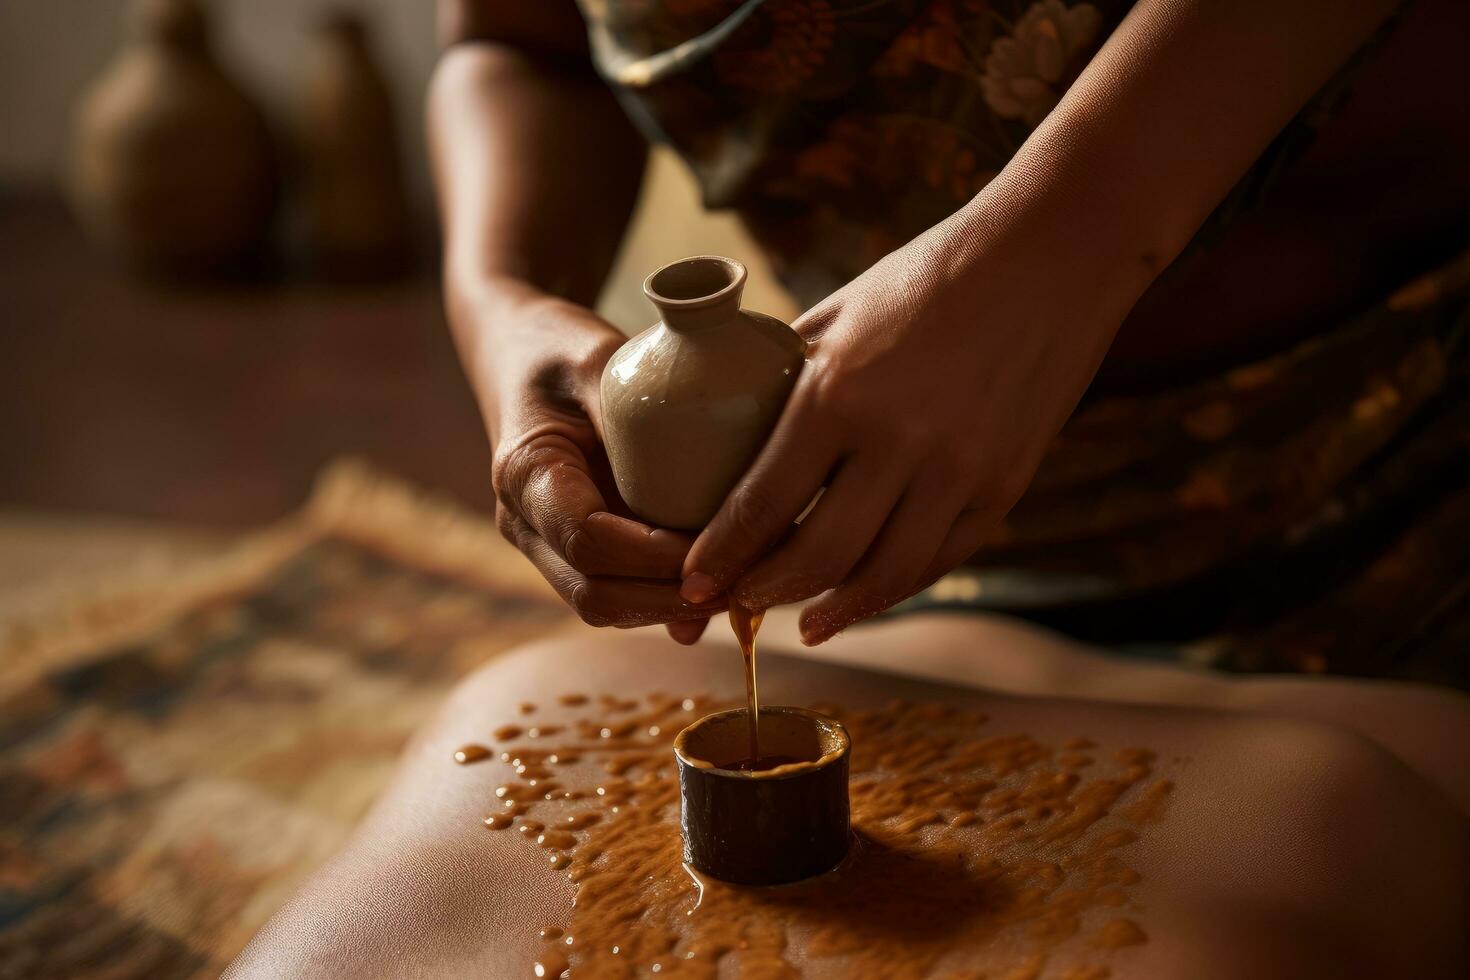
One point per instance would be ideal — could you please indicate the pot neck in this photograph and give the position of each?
(697, 293)
(174, 25)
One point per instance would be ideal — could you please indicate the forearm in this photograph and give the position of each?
(537, 171)
(1173, 110)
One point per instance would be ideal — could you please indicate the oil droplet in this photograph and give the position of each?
(573, 700)
(925, 770)
(507, 732)
(466, 754)
(581, 821)
(553, 964)
(527, 708)
(1150, 806)
(498, 821)
(1119, 933)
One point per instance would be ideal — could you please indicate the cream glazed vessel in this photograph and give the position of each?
(688, 403)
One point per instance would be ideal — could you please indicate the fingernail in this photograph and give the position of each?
(698, 587)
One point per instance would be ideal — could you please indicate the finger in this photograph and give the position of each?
(969, 532)
(545, 481)
(621, 546)
(763, 505)
(905, 548)
(832, 539)
(607, 600)
(687, 631)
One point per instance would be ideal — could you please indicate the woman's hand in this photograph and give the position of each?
(535, 362)
(935, 382)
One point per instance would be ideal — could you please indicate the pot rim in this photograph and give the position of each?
(735, 268)
(789, 771)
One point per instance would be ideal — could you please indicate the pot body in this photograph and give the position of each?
(172, 165)
(688, 403)
(355, 200)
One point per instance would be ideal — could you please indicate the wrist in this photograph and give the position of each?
(478, 301)
(1067, 247)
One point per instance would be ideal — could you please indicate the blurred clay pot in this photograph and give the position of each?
(688, 403)
(172, 164)
(356, 205)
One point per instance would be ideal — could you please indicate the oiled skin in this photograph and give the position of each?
(1290, 848)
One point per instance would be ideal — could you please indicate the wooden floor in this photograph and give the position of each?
(213, 406)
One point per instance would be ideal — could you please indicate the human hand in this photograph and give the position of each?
(535, 363)
(934, 384)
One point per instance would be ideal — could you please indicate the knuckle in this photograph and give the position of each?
(509, 472)
(752, 509)
(516, 465)
(584, 604)
(836, 397)
(576, 547)
(505, 523)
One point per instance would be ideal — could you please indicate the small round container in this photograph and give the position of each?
(766, 827)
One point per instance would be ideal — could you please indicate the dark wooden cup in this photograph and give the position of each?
(768, 827)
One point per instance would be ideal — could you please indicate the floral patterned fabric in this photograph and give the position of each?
(1329, 532)
(1309, 512)
(841, 129)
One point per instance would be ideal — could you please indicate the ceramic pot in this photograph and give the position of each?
(688, 403)
(355, 202)
(172, 164)
(771, 826)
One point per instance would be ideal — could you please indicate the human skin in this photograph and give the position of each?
(937, 378)
(1290, 848)
(513, 125)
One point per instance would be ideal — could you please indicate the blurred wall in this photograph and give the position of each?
(50, 50)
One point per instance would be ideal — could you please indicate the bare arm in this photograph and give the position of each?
(536, 165)
(939, 377)
(1173, 110)
(537, 170)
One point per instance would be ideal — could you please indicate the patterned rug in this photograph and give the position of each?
(180, 748)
